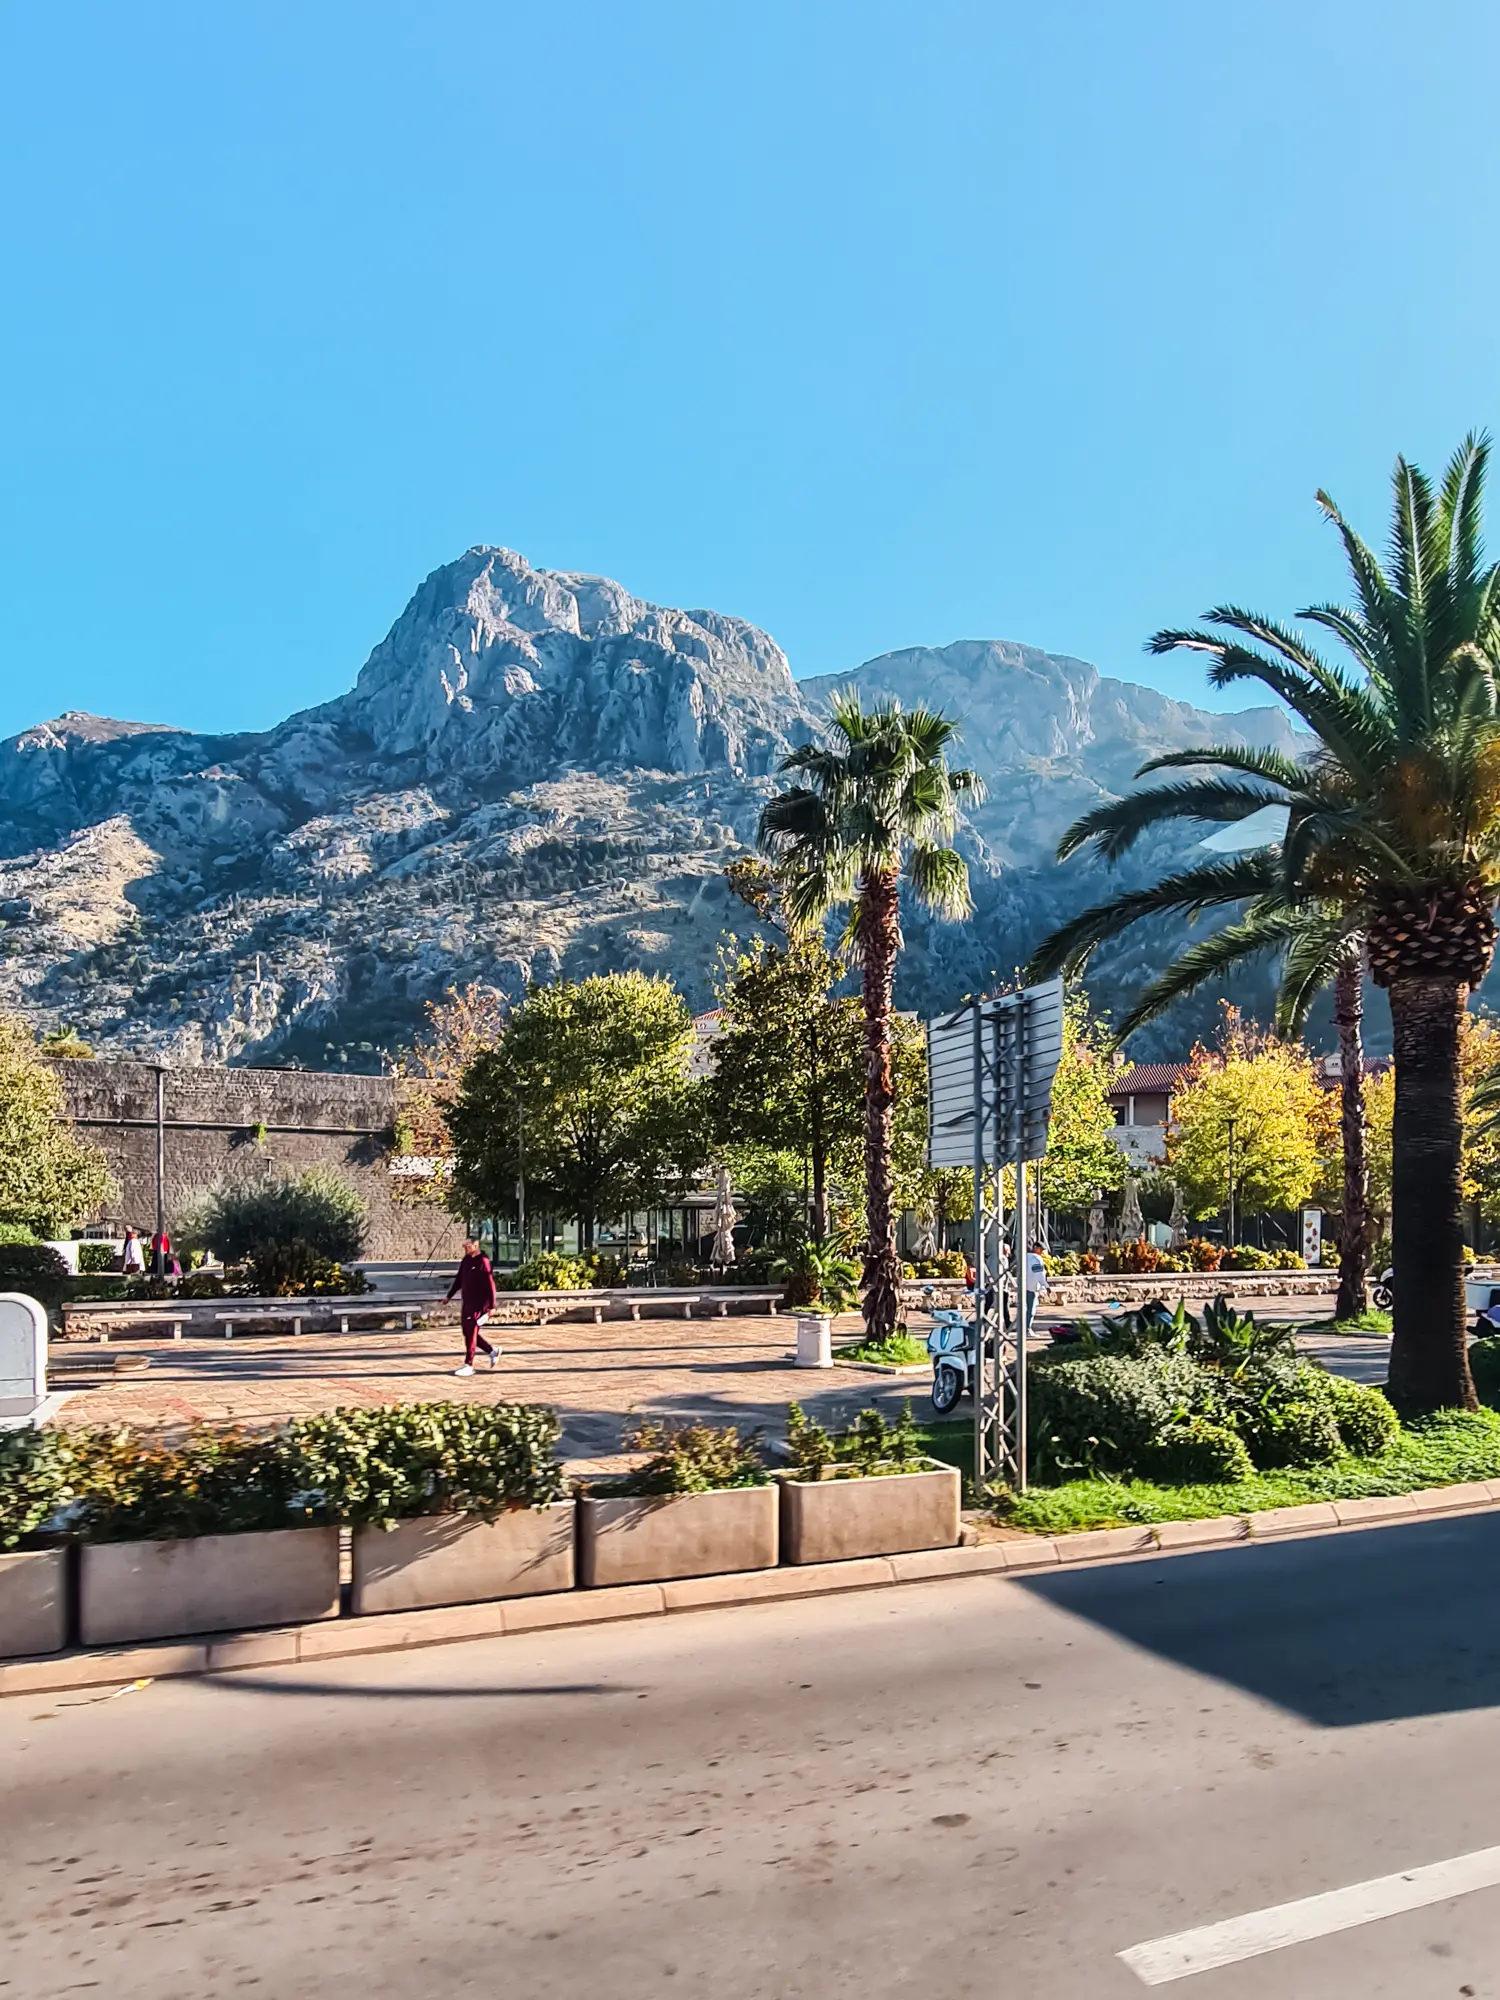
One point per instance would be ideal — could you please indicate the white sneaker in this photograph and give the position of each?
(465, 1370)
(494, 1356)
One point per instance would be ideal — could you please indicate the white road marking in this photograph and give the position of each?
(1179, 1957)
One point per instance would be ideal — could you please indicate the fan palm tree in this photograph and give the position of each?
(1392, 836)
(1317, 947)
(877, 801)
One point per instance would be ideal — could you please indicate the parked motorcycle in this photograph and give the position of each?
(952, 1345)
(1381, 1295)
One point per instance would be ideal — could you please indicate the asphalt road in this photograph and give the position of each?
(990, 1788)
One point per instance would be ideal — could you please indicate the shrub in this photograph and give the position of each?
(1138, 1258)
(1288, 1417)
(1107, 1412)
(1484, 1366)
(868, 1448)
(1199, 1453)
(1201, 1254)
(34, 1469)
(391, 1464)
(547, 1271)
(97, 1257)
(1367, 1424)
(122, 1486)
(240, 1219)
(290, 1270)
(690, 1458)
(35, 1269)
(816, 1274)
(202, 1285)
(15, 1232)
(1088, 1264)
(1246, 1257)
(1288, 1260)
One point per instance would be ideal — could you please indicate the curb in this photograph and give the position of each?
(396, 1631)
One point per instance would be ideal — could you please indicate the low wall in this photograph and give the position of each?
(1131, 1291)
(241, 1124)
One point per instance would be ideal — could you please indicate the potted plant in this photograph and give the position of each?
(451, 1503)
(702, 1505)
(869, 1490)
(204, 1535)
(820, 1282)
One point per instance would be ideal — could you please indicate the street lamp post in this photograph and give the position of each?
(158, 1260)
(1229, 1227)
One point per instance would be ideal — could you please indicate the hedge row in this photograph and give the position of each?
(348, 1467)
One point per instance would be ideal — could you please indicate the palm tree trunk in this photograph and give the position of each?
(1429, 1352)
(879, 937)
(817, 1143)
(1354, 1237)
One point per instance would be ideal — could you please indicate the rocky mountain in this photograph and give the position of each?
(535, 773)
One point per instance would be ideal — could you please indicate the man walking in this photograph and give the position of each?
(475, 1285)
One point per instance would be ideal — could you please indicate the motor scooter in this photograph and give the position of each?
(954, 1346)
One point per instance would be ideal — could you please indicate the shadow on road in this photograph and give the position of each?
(250, 1683)
(1345, 1629)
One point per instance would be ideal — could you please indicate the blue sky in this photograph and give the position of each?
(877, 324)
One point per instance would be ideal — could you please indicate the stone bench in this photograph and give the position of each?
(120, 1323)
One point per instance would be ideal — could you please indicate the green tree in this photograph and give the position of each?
(588, 1093)
(1081, 1151)
(878, 801)
(788, 1061)
(49, 1177)
(1392, 836)
(1281, 1117)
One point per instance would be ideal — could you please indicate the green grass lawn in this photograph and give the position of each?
(901, 1350)
(1441, 1451)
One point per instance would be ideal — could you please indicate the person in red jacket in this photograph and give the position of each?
(475, 1285)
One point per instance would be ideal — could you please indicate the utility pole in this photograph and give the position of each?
(1229, 1228)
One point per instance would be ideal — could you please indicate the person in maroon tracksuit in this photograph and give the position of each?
(475, 1285)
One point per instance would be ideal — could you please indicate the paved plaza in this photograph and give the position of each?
(736, 1370)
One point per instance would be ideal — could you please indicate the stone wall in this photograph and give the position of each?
(213, 1120)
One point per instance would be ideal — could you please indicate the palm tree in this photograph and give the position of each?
(1316, 946)
(878, 800)
(1392, 836)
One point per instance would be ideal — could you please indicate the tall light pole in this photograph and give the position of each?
(521, 1171)
(1229, 1230)
(158, 1260)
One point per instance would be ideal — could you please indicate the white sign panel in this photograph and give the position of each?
(990, 1067)
(23, 1356)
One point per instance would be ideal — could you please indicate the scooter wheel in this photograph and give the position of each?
(947, 1387)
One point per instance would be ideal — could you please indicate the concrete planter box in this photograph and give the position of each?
(676, 1534)
(454, 1559)
(33, 1602)
(834, 1520)
(207, 1583)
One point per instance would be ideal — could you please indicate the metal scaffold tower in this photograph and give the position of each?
(990, 1071)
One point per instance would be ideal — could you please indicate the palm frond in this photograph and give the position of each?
(1240, 878)
(941, 880)
(1117, 824)
(1273, 765)
(1252, 937)
(1318, 947)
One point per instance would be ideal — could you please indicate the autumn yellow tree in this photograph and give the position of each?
(1282, 1117)
(459, 1027)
